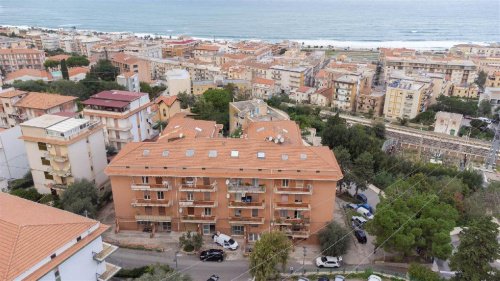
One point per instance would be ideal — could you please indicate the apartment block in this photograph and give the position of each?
(288, 78)
(125, 115)
(263, 88)
(62, 149)
(178, 81)
(15, 59)
(406, 99)
(345, 91)
(371, 103)
(40, 242)
(322, 97)
(13, 158)
(469, 91)
(448, 123)
(130, 81)
(242, 113)
(242, 187)
(125, 63)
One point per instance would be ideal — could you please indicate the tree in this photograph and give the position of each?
(478, 248)
(74, 61)
(186, 100)
(481, 79)
(104, 70)
(483, 201)
(154, 91)
(363, 170)
(334, 240)
(427, 117)
(81, 198)
(379, 130)
(214, 105)
(64, 70)
(191, 241)
(272, 249)
(50, 64)
(484, 108)
(160, 272)
(418, 272)
(27, 193)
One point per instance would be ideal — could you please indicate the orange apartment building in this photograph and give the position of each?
(15, 59)
(242, 187)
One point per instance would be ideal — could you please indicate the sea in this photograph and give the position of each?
(423, 24)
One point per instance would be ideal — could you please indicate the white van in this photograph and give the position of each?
(364, 212)
(225, 241)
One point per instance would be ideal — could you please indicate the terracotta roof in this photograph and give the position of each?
(59, 57)
(10, 93)
(263, 81)
(322, 74)
(304, 89)
(77, 70)
(118, 95)
(41, 74)
(180, 124)
(326, 92)
(286, 129)
(276, 160)
(20, 51)
(124, 58)
(43, 100)
(207, 48)
(166, 100)
(31, 232)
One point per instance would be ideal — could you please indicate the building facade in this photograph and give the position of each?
(15, 59)
(406, 99)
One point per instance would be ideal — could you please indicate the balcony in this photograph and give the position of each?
(165, 186)
(246, 205)
(234, 187)
(291, 221)
(124, 140)
(193, 187)
(57, 158)
(107, 250)
(60, 172)
(151, 203)
(151, 218)
(126, 128)
(294, 190)
(246, 220)
(297, 233)
(56, 186)
(198, 219)
(299, 206)
(111, 270)
(197, 203)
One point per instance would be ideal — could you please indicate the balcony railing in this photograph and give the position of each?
(198, 219)
(247, 205)
(107, 250)
(151, 203)
(151, 218)
(246, 220)
(60, 172)
(165, 186)
(57, 158)
(197, 203)
(297, 233)
(126, 139)
(234, 187)
(198, 187)
(291, 221)
(111, 270)
(307, 189)
(124, 128)
(293, 206)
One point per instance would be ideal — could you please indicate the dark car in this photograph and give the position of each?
(323, 278)
(213, 278)
(212, 255)
(361, 236)
(366, 206)
(361, 198)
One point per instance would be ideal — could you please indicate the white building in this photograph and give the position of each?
(492, 95)
(43, 243)
(178, 81)
(61, 150)
(288, 78)
(126, 116)
(130, 81)
(448, 123)
(13, 159)
(50, 41)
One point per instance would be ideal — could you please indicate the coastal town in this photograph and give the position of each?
(140, 157)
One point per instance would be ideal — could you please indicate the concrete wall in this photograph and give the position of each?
(13, 158)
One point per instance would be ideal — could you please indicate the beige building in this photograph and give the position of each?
(178, 81)
(469, 91)
(15, 59)
(371, 103)
(302, 94)
(448, 123)
(242, 113)
(322, 97)
(263, 88)
(62, 149)
(288, 78)
(493, 80)
(406, 99)
(166, 107)
(345, 91)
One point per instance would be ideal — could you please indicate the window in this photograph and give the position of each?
(148, 210)
(298, 198)
(235, 153)
(45, 161)
(284, 182)
(255, 213)
(57, 275)
(255, 182)
(78, 238)
(212, 153)
(190, 152)
(164, 112)
(261, 155)
(160, 195)
(208, 212)
(190, 196)
(53, 256)
(284, 213)
(206, 196)
(147, 195)
(161, 211)
(237, 229)
(48, 176)
(237, 213)
(42, 146)
(297, 214)
(145, 180)
(253, 236)
(7, 105)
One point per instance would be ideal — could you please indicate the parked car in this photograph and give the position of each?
(212, 255)
(350, 206)
(360, 235)
(339, 278)
(327, 261)
(225, 241)
(366, 206)
(323, 278)
(365, 213)
(303, 279)
(361, 198)
(213, 278)
(374, 278)
(358, 222)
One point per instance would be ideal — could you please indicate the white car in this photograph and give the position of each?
(358, 221)
(225, 241)
(327, 261)
(365, 212)
(374, 278)
(339, 278)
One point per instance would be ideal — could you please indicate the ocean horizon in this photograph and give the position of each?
(424, 24)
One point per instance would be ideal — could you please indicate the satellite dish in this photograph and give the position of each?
(282, 139)
(276, 140)
(227, 181)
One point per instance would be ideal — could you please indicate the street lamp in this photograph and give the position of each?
(175, 258)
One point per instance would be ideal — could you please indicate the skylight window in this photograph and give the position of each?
(165, 153)
(145, 152)
(261, 155)
(190, 152)
(235, 153)
(212, 153)
(260, 129)
(303, 156)
(198, 129)
(284, 156)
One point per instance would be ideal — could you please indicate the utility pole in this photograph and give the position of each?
(304, 259)
(175, 258)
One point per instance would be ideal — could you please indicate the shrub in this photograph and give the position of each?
(191, 241)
